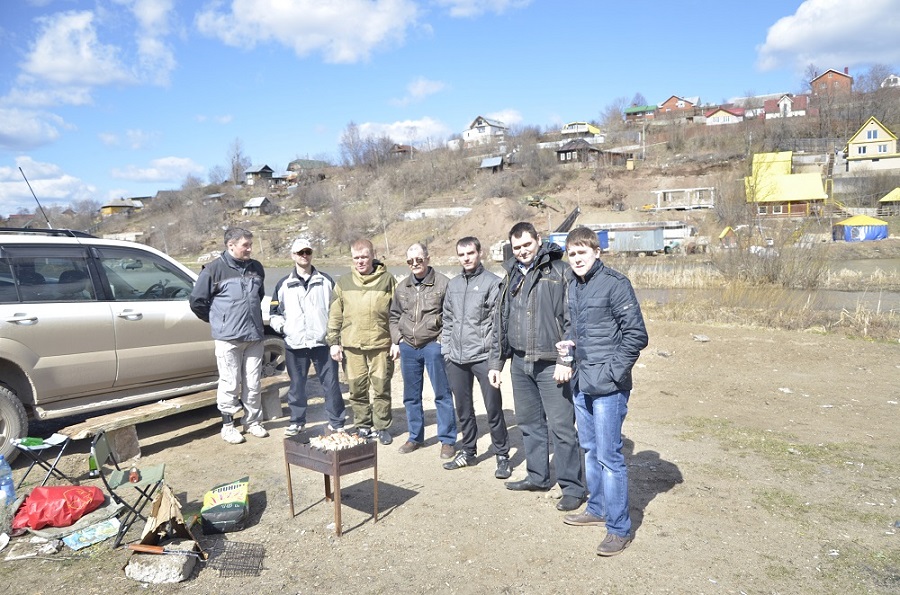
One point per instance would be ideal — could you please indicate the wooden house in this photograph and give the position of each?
(578, 151)
(257, 174)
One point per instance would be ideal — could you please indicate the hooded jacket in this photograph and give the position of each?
(299, 310)
(417, 310)
(469, 316)
(359, 309)
(608, 330)
(228, 295)
(532, 313)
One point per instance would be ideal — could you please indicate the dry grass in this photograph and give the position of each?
(779, 308)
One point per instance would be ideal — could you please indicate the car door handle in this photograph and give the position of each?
(22, 319)
(130, 315)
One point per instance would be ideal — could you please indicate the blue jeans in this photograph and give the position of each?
(298, 362)
(600, 419)
(413, 363)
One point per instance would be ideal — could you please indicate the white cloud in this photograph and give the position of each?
(156, 60)
(67, 52)
(26, 129)
(223, 119)
(833, 34)
(510, 117)
(418, 90)
(406, 131)
(472, 8)
(165, 169)
(344, 32)
(50, 184)
(134, 138)
(36, 96)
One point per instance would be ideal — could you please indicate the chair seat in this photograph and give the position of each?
(150, 475)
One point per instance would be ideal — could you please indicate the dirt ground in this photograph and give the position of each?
(760, 462)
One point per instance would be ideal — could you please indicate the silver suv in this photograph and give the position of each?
(89, 324)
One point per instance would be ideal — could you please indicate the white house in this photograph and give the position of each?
(484, 131)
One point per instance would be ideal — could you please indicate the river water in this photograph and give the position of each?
(824, 299)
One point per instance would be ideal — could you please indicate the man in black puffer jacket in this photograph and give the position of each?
(532, 317)
(607, 334)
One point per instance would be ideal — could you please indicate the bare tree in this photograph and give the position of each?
(217, 174)
(238, 162)
(613, 115)
(638, 99)
(351, 146)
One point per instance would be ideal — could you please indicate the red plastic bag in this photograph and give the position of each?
(57, 506)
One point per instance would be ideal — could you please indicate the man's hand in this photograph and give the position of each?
(561, 374)
(494, 378)
(395, 351)
(337, 353)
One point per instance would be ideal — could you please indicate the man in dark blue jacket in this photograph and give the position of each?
(532, 318)
(607, 333)
(228, 295)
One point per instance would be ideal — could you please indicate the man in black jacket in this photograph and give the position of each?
(532, 317)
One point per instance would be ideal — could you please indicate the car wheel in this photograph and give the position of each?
(13, 422)
(273, 356)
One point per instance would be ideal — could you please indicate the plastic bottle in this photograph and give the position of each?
(7, 486)
(93, 472)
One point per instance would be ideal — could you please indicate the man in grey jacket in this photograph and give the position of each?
(228, 295)
(299, 311)
(465, 343)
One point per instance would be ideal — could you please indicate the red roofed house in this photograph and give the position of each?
(724, 115)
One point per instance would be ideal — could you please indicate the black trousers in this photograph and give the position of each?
(461, 378)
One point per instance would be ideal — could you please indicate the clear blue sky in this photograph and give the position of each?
(119, 98)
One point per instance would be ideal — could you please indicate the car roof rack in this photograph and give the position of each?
(69, 233)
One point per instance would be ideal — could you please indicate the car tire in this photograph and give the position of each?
(274, 363)
(13, 422)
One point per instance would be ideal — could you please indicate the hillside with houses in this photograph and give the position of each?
(782, 164)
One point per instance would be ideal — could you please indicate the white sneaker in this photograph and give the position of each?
(231, 435)
(257, 430)
(332, 429)
(293, 429)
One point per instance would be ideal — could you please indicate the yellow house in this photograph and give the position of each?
(777, 192)
(890, 203)
(873, 147)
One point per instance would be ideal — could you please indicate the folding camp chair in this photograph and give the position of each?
(40, 453)
(151, 477)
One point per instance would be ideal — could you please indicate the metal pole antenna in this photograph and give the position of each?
(46, 218)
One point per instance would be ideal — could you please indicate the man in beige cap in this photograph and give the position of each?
(299, 311)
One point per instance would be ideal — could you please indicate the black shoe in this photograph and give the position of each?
(383, 436)
(525, 486)
(364, 432)
(567, 503)
(462, 459)
(503, 468)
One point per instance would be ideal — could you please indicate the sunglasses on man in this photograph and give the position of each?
(304, 252)
(416, 260)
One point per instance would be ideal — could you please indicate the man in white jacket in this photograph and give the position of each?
(299, 311)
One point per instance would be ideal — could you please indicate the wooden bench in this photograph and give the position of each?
(121, 425)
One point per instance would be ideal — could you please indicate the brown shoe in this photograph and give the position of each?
(408, 446)
(584, 519)
(447, 451)
(613, 545)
